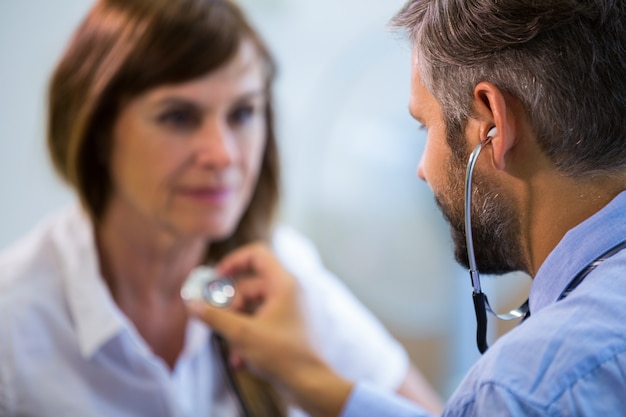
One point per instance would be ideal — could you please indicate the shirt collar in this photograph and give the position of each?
(96, 317)
(580, 246)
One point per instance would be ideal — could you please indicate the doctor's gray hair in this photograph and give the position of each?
(564, 60)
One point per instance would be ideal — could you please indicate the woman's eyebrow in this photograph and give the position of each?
(177, 101)
(252, 94)
(180, 101)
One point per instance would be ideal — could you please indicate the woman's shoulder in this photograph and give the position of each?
(299, 255)
(36, 253)
(295, 249)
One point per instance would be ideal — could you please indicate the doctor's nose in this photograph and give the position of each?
(420, 170)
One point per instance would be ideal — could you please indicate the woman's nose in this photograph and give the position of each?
(215, 145)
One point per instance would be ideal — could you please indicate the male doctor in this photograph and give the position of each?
(535, 92)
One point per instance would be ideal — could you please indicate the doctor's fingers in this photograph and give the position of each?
(275, 293)
(230, 324)
(251, 291)
(255, 258)
(253, 340)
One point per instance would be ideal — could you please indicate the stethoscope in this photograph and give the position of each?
(481, 303)
(204, 284)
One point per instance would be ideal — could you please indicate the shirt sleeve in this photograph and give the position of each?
(348, 335)
(368, 401)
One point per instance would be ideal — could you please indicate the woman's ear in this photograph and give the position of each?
(493, 111)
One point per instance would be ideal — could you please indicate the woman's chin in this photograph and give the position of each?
(210, 228)
(213, 232)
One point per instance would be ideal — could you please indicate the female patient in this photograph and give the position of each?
(160, 119)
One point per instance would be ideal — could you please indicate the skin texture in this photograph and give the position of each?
(538, 206)
(185, 162)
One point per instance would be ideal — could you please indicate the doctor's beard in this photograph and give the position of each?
(495, 222)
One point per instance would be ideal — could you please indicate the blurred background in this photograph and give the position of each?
(349, 148)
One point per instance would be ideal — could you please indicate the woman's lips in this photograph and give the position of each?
(207, 195)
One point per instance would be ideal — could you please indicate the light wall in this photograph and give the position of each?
(349, 149)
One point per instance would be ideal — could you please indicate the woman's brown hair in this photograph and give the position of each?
(124, 48)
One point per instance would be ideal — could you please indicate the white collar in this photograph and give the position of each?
(96, 316)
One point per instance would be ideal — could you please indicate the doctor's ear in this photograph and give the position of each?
(500, 144)
(497, 115)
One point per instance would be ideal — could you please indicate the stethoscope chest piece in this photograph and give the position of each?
(205, 284)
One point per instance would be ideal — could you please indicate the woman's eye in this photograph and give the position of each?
(241, 115)
(183, 119)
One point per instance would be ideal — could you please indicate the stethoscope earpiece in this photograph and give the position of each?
(492, 133)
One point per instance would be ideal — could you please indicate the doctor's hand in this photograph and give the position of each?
(273, 338)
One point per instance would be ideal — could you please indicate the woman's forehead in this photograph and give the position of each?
(243, 74)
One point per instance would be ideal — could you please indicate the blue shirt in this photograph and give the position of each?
(567, 359)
